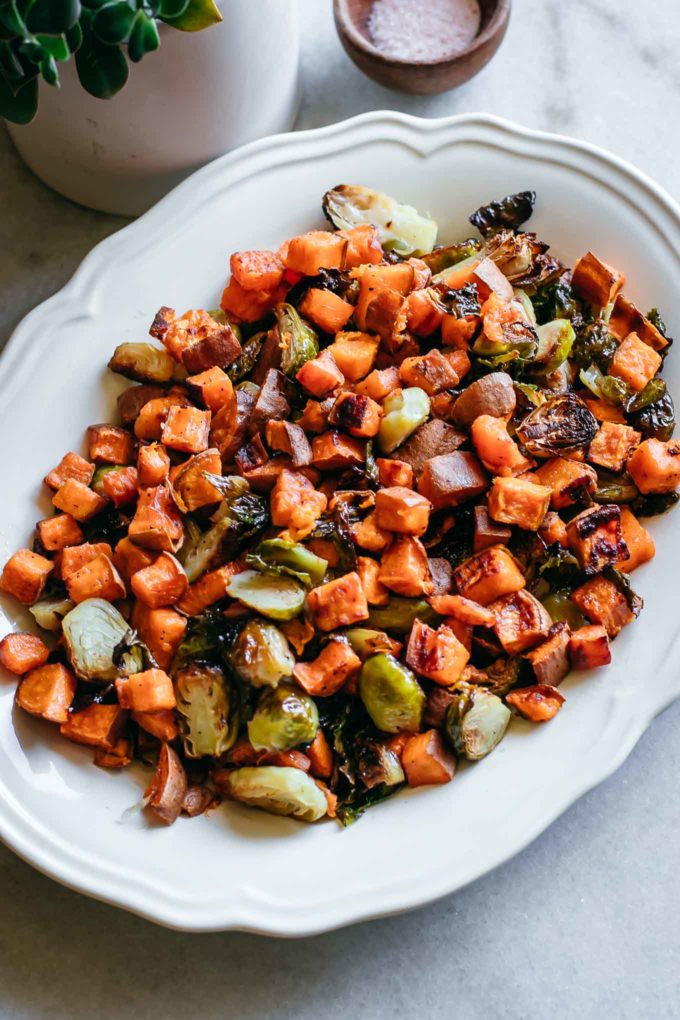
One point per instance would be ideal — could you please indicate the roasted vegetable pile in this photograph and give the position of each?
(354, 521)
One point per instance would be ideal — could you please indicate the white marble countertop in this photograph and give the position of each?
(586, 922)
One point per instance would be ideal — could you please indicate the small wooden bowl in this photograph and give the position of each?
(421, 77)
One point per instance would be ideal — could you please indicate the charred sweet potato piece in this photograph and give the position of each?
(596, 539)
(635, 362)
(47, 692)
(601, 602)
(76, 556)
(327, 310)
(257, 270)
(368, 535)
(286, 437)
(186, 429)
(471, 613)
(595, 281)
(55, 533)
(553, 529)
(394, 472)
(97, 579)
(157, 523)
(427, 761)
(295, 503)
(360, 416)
(488, 575)
(550, 660)
(109, 444)
(437, 705)
(25, 576)
(247, 305)
(569, 481)
(216, 350)
(71, 465)
(404, 568)
(626, 318)
(151, 418)
(488, 532)
(161, 725)
(161, 630)
(520, 502)
(379, 383)
(166, 792)
(329, 671)
(498, 452)
(96, 726)
(162, 583)
(655, 465)
(493, 394)
(315, 250)
(386, 315)
(332, 451)
(452, 479)
(613, 445)
(338, 603)
(537, 704)
(589, 647)
(433, 438)
(638, 541)
(251, 456)
(149, 691)
(131, 401)
(320, 756)
(436, 654)
(402, 510)
(20, 652)
(320, 375)
(213, 388)
(78, 500)
(375, 591)
(128, 558)
(314, 417)
(355, 353)
(521, 621)
(432, 372)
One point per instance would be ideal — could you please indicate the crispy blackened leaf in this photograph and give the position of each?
(559, 426)
(338, 528)
(462, 302)
(247, 359)
(657, 420)
(594, 345)
(556, 300)
(507, 214)
(622, 582)
(208, 638)
(655, 503)
(656, 320)
(109, 526)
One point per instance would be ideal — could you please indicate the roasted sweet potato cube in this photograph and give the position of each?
(488, 575)
(363, 245)
(518, 501)
(315, 250)
(613, 445)
(149, 691)
(589, 647)
(379, 383)
(635, 362)
(488, 532)
(360, 416)
(452, 478)
(320, 756)
(246, 305)
(537, 704)
(375, 591)
(157, 523)
(402, 510)
(25, 576)
(320, 375)
(257, 270)
(96, 726)
(332, 450)
(161, 630)
(521, 621)
(132, 400)
(386, 314)
(604, 411)
(432, 372)
(553, 529)
(596, 539)
(394, 472)
(655, 465)
(459, 333)
(78, 500)
(186, 429)
(595, 281)
(20, 653)
(329, 671)
(550, 660)
(338, 603)
(97, 579)
(110, 444)
(213, 388)
(490, 280)
(286, 437)
(498, 452)
(117, 758)
(427, 761)
(151, 418)
(160, 584)
(326, 310)
(601, 602)
(167, 790)
(161, 725)
(128, 558)
(433, 438)
(568, 480)
(217, 349)
(436, 654)
(120, 486)
(638, 541)
(153, 465)
(55, 533)
(405, 569)
(295, 503)
(354, 354)
(76, 556)
(210, 588)
(626, 318)
(47, 692)
(465, 610)
(71, 465)
(368, 535)
(424, 314)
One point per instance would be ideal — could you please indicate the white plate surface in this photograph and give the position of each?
(238, 868)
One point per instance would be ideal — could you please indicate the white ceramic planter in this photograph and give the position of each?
(199, 95)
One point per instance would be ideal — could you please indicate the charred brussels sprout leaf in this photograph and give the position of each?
(247, 359)
(462, 302)
(401, 228)
(443, 258)
(338, 528)
(520, 341)
(377, 765)
(93, 631)
(507, 214)
(657, 420)
(622, 582)
(645, 506)
(653, 392)
(279, 556)
(594, 345)
(476, 722)
(279, 790)
(555, 340)
(207, 707)
(297, 339)
(208, 638)
(278, 598)
(391, 694)
(561, 425)
(285, 717)
(562, 609)
(261, 655)
(399, 614)
(656, 320)
(557, 301)
(613, 488)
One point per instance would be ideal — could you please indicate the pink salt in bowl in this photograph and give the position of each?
(420, 76)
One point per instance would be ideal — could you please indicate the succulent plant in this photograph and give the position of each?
(37, 35)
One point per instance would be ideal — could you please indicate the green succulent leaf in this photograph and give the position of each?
(74, 38)
(172, 8)
(19, 108)
(49, 70)
(144, 37)
(113, 22)
(198, 14)
(53, 17)
(31, 50)
(54, 46)
(11, 22)
(102, 69)
(10, 67)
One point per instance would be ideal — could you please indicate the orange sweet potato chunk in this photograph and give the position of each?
(326, 310)
(427, 761)
(539, 703)
(638, 541)
(320, 375)
(655, 466)
(47, 692)
(402, 510)
(71, 465)
(96, 726)
(436, 654)
(257, 270)
(601, 602)
(110, 444)
(96, 579)
(149, 691)
(589, 647)
(613, 445)
(157, 523)
(25, 576)
(315, 250)
(213, 388)
(488, 575)
(76, 556)
(595, 281)
(161, 630)
(404, 568)
(521, 621)
(55, 533)
(394, 472)
(21, 652)
(162, 583)
(329, 671)
(320, 756)
(498, 452)
(355, 353)
(79, 500)
(635, 362)
(375, 591)
(186, 429)
(295, 503)
(520, 502)
(153, 465)
(207, 590)
(338, 603)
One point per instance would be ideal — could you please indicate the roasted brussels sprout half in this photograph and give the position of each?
(281, 791)
(377, 765)
(391, 694)
(240, 516)
(95, 633)
(404, 411)
(399, 614)
(145, 363)
(656, 420)
(555, 340)
(297, 339)
(519, 340)
(443, 258)
(279, 598)
(278, 556)
(366, 642)
(508, 213)
(476, 722)
(563, 610)
(261, 654)
(206, 705)
(558, 426)
(401, 228)
(49, 612)
(285, 717)
(557, 301)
